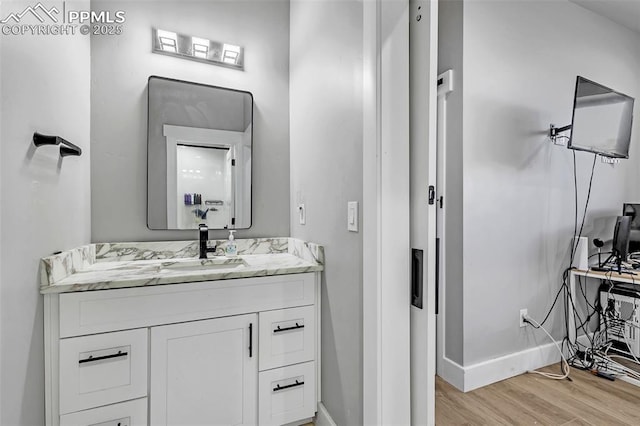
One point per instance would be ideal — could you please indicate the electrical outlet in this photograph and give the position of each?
(523, 313)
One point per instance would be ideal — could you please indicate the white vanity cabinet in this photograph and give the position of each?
(229, 352)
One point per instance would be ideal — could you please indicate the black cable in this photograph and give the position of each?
(576, 234)
(573, 347)
(584, 294)
(575, 215)
(555, 300)
(571, 308)
(576, 315)
(586, 204)
(583, 325)
(595, 254)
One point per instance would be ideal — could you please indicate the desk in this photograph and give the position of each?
(608, 276)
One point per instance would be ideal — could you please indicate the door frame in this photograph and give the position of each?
(386, 254)
(444, 366)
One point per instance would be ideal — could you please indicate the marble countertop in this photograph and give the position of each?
(123, 265)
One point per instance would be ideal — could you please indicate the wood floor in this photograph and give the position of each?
(531, 399)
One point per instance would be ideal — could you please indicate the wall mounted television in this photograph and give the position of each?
(602, 120)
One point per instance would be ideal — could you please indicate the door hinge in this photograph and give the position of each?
(233, 162)
(432, 194)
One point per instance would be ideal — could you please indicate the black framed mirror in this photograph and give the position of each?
(199, 151)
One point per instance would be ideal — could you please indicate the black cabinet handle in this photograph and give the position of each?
(100, 358)
(297, 326)
(293, 385)
(250, 340)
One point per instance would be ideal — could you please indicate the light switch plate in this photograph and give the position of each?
(352, 216)
(302, 214)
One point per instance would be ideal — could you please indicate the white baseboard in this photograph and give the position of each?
(323, 418)
(494, 370)
(452, 372)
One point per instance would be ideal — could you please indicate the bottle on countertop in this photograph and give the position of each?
(232, 247)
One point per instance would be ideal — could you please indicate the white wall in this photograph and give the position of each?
(120, 67)
(45, 203)
(1, 222)
(520, 62)
(326, 172)
(450, 46)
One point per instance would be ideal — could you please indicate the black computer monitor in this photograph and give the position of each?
(620, 247)
(633, 211)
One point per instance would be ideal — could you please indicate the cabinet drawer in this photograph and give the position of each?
(90, 312)
(102, 369)
(130, 413)
(287, 336)
(287, 394)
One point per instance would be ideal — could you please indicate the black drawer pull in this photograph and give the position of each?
(293, 385)
(100, 358)
(278, 330)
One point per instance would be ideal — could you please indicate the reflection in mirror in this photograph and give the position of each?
(199, 156)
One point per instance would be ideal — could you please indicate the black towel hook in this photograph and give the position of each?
(66, 147)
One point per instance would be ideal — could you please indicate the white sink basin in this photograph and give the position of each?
(204, 265)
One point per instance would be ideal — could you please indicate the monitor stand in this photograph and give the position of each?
(602, 268)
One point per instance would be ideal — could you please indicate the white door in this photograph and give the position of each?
(205, 372)
(423, 42)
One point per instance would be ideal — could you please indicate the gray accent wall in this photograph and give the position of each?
(519, 63)
(120, 67)
(326, 173)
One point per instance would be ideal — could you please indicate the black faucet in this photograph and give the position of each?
(204, 238)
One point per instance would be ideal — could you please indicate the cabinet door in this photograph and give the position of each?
(205, 372)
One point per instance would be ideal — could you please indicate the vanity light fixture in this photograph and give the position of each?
(168, 41)
(197, 49)
(200, 47)
(230, 53)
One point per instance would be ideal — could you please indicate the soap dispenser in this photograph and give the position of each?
(232, 247)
